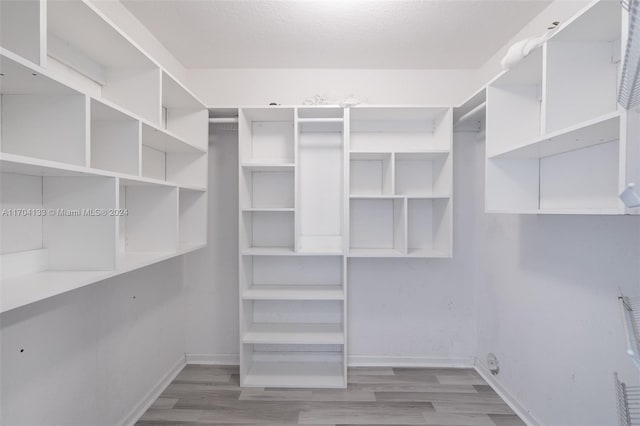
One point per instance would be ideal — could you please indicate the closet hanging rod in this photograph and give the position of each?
(475, 113)
(223, 120)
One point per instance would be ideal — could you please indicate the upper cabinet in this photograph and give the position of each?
(557, 142)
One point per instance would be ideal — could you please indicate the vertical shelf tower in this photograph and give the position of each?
(319, 185)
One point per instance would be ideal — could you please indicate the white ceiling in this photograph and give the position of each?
(334, 33)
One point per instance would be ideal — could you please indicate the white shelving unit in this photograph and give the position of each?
(400, 182)
(80, 106)
(292, 242)
(557, 142)
(319, 185)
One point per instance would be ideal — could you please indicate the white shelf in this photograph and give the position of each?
(10, 163)
(295, 375)
(294, 292)
(269, 209)
(24, 290)
(164, 140)
(285, 251)
(268, 167)
(593, 132)
(290, 334)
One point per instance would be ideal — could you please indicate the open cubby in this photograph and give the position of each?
(514, 105)
(429, 227)
(320, 197)
(579, 181)
(292, 278)
(67, 226)
(193, 218)
(183, 114)
(377, 227)
(115, 140)
(582, 67)
(99, 55)
(322, 113)
(21, 24)
(371, 174)
(166, 159)
(293, 367)
(267, 135)
(151, 223)
(267, 188)
(267, 230)
(40, 117)
(400, 129)
(423, 174)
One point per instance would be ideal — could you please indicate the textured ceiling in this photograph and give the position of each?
(334, 33)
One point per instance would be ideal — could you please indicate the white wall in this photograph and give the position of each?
(233, 87)
(547, 308)
(88, 356)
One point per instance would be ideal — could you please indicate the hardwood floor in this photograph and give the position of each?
(203, 394)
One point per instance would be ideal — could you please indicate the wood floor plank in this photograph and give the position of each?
(446, 419)
(393, 380)
(172, 415)
(372, 371)
(377, 414)
(478, 398)
(416, 387)
(472, 408)
(506, 420)
(163, 403)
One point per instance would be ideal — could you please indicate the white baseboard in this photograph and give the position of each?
(407, 361)
(352, 361)
(511, 401)
(213, 359)
(141, 407)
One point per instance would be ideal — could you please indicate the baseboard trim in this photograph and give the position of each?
(502, 391)
(144, 404)
(213, 359)
(352, 361)
(407, 361)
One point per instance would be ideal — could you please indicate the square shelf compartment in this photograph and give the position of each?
(375, 129)
(266, 135)
(377, 227)
(150, 227)
(514, 105)
(69, 237)
(582, 67)
(427, 175)
(267, 230)
(293, 367)
(295, 322)
(268, 188)
(292, 278)
(86, 49)
(166, 160)
(371, 174)
(429, 227)
(193, 218)
(114, 140)
(40, 117)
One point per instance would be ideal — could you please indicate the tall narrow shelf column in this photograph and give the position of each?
(292, 265)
